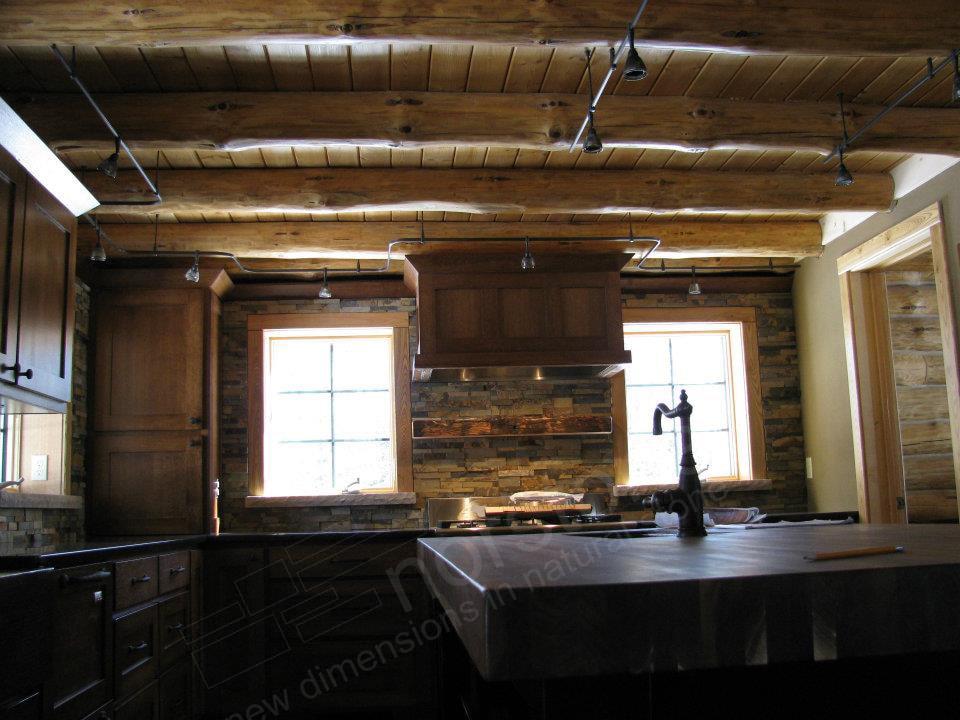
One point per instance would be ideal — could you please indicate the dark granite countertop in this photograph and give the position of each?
(103, 548)
(549, 606)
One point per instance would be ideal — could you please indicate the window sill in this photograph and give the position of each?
(708, 487)
(339, 500)
(39, 501)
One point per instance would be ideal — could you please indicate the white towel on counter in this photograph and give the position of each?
(544, 497)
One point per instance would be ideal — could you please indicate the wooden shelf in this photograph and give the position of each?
(525, 425)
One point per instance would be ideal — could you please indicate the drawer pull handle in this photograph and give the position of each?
(175, 628)
(177, 570)
(141, 579)
(28, 373)
(93, 577)
(142, 645)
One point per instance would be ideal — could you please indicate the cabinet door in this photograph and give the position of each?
(45, 347)
(147, 483)
(80, 679)
(149, 360)
(12, 202)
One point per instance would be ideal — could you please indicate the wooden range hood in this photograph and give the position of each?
(481, 317)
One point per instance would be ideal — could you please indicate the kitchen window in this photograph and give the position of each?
(712, 354)
(326, 414)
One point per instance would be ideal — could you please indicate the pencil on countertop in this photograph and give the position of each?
(855, 552)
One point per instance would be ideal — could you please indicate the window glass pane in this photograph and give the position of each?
(299, 469)
(640, 404)
(300, 416)
(699, 358)
(710, 410)
(362, 415)
(651, 359)
(299, 364)
(652, 459)
(362, 364)
(712, 452)
(371, 462)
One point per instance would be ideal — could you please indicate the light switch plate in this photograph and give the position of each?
(809, 468)
(38, 467)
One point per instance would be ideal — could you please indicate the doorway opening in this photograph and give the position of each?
(901, 345)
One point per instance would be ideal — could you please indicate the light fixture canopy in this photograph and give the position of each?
(111, 165)
(634, 68)
(694, 288)
(527, 262)
(193, 274)
(325, 292)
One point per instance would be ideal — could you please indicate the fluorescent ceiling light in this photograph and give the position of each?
(40, 161)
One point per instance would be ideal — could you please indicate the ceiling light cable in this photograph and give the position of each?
(844, 177)
(932, 71)
(615, 54)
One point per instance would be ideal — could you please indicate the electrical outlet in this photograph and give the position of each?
(809, 468)
(38, 467)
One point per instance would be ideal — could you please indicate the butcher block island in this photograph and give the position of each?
(640, 619)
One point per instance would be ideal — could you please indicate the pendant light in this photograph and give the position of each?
(591, 144)
(844, 176)
(110, 166)
(634, 68)
(193, 274)
(527, 262)
(694, 288)
(325, 292)
(99, 253)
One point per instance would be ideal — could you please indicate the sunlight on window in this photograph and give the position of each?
(707, 360)
(328, 411)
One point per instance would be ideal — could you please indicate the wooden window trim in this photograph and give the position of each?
(400, 322)
(747, 318)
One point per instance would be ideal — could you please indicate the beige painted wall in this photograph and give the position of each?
(823, 373)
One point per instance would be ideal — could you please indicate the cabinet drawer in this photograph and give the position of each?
(174, 571)
(173, 624)
(142, 706)
(136, 582)
(135, 645)
(175, 693)
(345, 560)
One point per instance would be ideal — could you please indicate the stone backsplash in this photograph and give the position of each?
(35, 528)
(494, 466)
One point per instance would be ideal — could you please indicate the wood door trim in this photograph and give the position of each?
(878, 463)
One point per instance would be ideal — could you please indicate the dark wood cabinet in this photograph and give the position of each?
(81, 678)
(154, 446)
(149, 360)
(37, 268)
(147, 483)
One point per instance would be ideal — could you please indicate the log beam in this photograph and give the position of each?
(229, 121)
(337, 190)
(819, 27)
(367, 241)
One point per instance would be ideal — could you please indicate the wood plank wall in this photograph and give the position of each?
(921, 393)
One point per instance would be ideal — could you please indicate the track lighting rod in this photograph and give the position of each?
(694, 270)
(71, 68)
(932, 71)
(421, 240)
(615, 54)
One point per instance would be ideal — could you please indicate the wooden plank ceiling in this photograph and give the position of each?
(463, 68)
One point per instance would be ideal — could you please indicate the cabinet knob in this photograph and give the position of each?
(17, 372)
(195, 421)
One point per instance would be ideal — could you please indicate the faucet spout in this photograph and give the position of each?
(687, 498)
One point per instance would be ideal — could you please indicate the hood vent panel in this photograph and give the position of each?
(483, 318)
